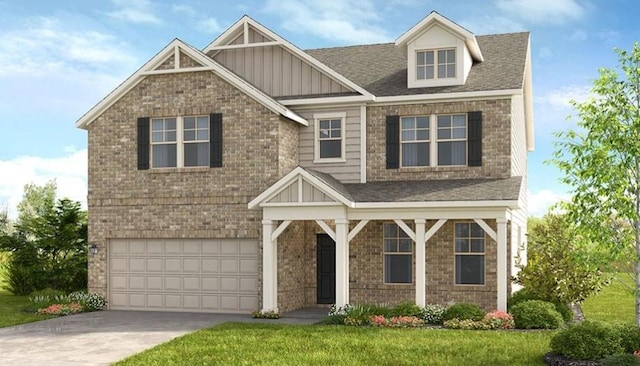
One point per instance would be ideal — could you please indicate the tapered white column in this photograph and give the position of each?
(501, 264)
(421, 277)
(342, 262)
(269, 267)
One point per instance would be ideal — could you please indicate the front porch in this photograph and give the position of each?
(306, 208)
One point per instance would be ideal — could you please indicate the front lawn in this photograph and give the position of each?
(274, 344)
(613, 303)
(12, 310)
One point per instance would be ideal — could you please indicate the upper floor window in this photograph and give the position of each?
(449, 133)
(330, 139)
(398, 255)
(436, 64)
(180, 142)
(469, 252)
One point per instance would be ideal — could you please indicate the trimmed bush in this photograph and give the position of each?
(525, 295)
(621, 359)
(89, 301)
(404, 309)
(536, 314)
(587, 341)
(629, 336)
(564, 310)
(463, 311)
(432, 314)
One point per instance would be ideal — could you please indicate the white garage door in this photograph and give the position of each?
(216, 275)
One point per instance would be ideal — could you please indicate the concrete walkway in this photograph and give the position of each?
(104, 337)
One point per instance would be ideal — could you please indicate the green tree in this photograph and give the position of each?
(560, 268)
(37, 202)
(601, 162)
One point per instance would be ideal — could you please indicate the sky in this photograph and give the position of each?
(59, 58)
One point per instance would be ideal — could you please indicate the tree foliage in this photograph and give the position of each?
(48, 245)
(560, 268)
(601, 162)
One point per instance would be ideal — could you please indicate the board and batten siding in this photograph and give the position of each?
(278, 72)
(345, 172)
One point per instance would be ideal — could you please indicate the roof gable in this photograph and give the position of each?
(435, 18)
(248, 34)
(178, 57)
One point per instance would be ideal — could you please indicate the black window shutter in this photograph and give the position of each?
(215, 140)
(143, 143)
(475, 138)
(393, 142)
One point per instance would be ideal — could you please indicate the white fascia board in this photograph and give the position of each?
(528, 100)
(274, 188)
(228, 34)
(435, 17)
(328, 100)
(448, 96)
(289, 46)
(451, 213)
(439, 204)
(208, 63)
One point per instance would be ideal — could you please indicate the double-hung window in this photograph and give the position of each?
(452, 139)
(469, 253)
(436, 64)
(398, 255)
(180, 142)
(415, 141)
(330, 139)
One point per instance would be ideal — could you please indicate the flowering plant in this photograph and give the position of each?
(271, 314)
(378, 320)
(499, 320)
(61, 309)
(396, 321)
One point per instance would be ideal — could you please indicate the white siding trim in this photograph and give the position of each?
(363, 144)
(316, 137)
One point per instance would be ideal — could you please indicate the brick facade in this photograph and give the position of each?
(202, 202)
(496, 137)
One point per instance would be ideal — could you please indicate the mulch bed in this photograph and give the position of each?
(552, 359)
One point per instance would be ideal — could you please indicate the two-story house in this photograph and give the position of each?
(253, 174)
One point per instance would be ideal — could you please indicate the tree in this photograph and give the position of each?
(37, 202)
(601, 163)
(5, 225)
(560, 268)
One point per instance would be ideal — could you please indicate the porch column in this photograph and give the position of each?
(342, 262)
(269, 267)
(421, 277)
(501, 264)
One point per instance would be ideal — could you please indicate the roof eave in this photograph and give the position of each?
(512, 204)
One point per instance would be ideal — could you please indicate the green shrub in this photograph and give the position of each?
(463, 311)
(620, 359)
(361, 314)
(565, 311)
(404, 309)
(432, 314)
(89, 301)
(587, 341)
(335, 319)
(271, 314)
(630, 337)
(536, 314)
(525, 295)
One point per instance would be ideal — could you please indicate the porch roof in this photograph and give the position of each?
(506, 189)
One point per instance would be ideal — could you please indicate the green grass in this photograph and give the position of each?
(273, 344)
(613, 303)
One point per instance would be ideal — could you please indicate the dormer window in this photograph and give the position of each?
(436, 64)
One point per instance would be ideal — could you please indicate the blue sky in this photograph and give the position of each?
(59, 58)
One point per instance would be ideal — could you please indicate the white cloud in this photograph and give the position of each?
(559, 98)
(542, 200)
(210, 25)
(134, 11)
(69, 171)
(543, 11)
(339, 20)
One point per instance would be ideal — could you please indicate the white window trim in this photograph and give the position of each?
(342, 116)
(433, 142)
(436, 63)
(412, 68)
(385, 253)
(484, 254)
(179, 143)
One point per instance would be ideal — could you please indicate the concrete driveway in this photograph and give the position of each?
(104, 337)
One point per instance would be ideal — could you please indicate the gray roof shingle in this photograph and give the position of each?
(381, 69)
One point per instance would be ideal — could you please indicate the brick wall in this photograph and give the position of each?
(496, 148)
(125, 202)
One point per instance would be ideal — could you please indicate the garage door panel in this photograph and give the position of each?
(154, 265)
(172, 265)
(228, 265)
(210, 275)
(173, 283)
(191, 265)
(136, 265)
(210, 265)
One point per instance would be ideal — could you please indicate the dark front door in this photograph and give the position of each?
(326, 265)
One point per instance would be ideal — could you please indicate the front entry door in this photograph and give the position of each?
(326, 265)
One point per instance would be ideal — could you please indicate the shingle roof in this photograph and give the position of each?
(381, 69)
(507, 189)
(332, 182)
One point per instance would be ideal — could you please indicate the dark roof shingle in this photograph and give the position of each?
(381, 69)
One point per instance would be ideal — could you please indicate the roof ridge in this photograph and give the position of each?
(350, 46)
